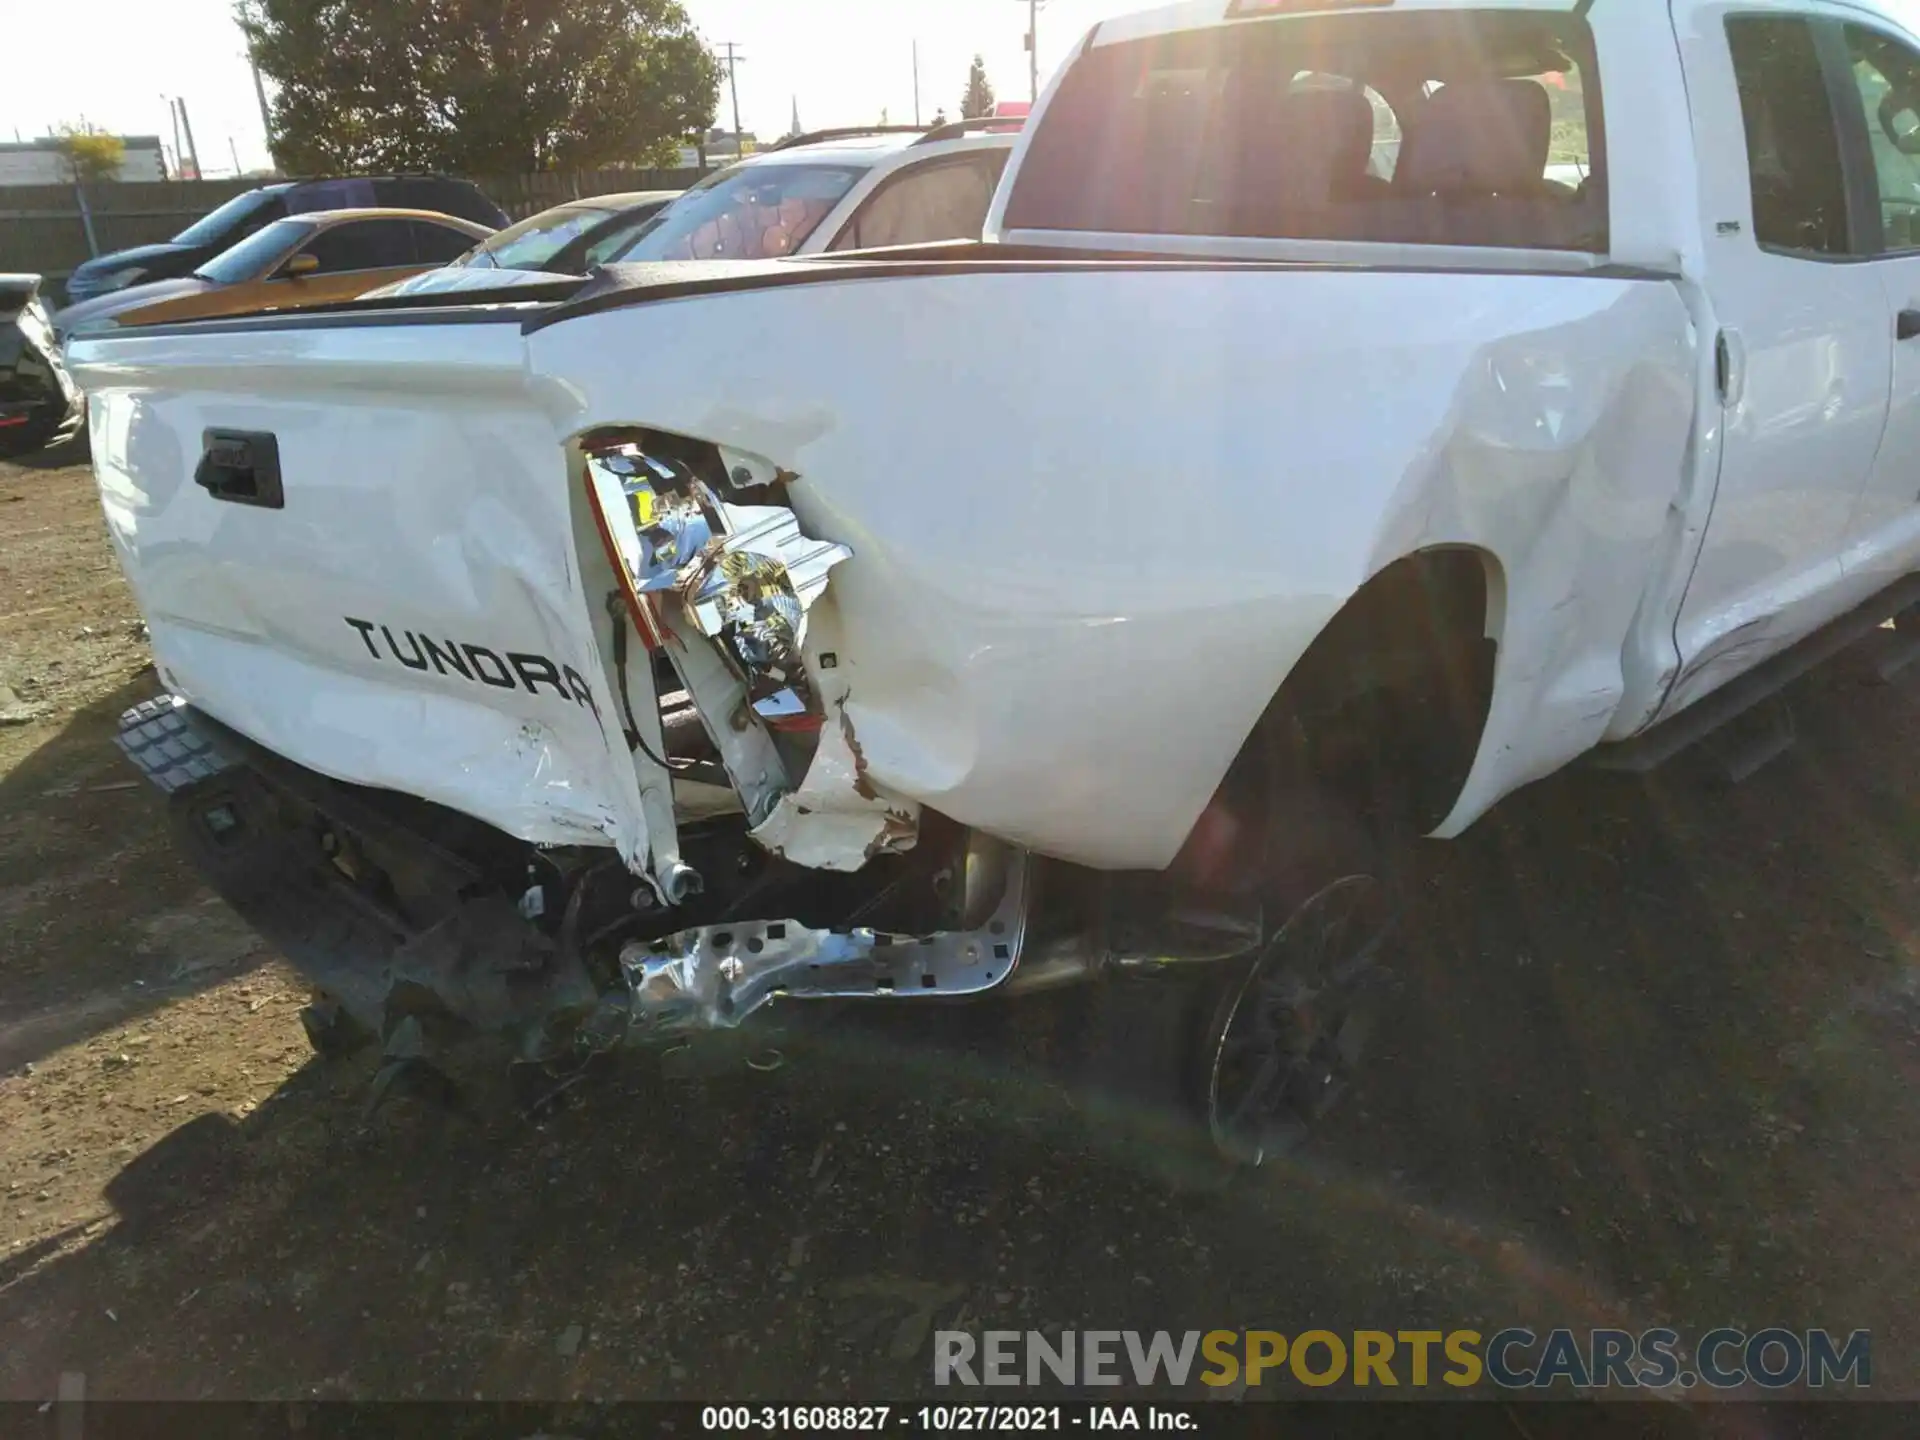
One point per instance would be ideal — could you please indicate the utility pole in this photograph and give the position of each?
(186, 128)
(260, 94)
(734, 60)
(179, 155)
(1033, 48)
(916, 82)
(234, 150)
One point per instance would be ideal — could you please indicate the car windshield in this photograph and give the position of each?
(254, 255)
(751, 212)
(216, 223)
(534, 241)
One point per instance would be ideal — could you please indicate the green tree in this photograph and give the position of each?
(91, 155)
(480, 86)
(978, 101)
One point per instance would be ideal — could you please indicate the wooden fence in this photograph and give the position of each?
(43, 231)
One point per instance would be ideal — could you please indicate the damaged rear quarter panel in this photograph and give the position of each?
(1567, 447)
(1097, 516)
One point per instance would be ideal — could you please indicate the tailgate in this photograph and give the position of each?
(353, 544)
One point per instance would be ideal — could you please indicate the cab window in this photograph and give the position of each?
(1793, 150)
(1426, 127)
(1887, 74)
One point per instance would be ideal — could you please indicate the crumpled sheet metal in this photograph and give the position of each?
(837, 819)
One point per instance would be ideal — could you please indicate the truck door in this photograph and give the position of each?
(1881, 100)
(1803, 346)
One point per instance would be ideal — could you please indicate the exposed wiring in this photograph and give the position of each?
(635, 741)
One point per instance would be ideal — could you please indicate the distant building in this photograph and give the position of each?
(721, 148)
(39, 162)
(724, 142)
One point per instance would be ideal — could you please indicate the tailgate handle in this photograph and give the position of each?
(242, 466)
(1907, 327)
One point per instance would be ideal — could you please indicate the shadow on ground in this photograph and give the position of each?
(1653, 1061)
(100, 920)
(74, 450)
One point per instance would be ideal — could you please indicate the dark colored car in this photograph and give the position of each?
(244, 214)
(38, 403)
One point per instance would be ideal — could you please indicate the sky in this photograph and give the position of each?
(115, 63)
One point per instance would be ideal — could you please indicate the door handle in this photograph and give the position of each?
(1730, 367)
(242, 467)
(1907, 327)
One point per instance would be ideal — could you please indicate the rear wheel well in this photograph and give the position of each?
(1388, 705)
(1381, 719)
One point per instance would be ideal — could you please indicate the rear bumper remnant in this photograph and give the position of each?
(714, 977)
(393, 912)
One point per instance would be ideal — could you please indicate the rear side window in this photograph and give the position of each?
(1477, 127)
(1793, 151)
(941, 200)
(362, 245)
(437, 244)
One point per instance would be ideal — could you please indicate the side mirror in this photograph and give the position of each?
(300, 266)
(1900, 122)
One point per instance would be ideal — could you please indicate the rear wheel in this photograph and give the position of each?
(1277, 1035)
(1286, 1029)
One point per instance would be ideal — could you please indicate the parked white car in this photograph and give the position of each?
(969, 619)
(839, 190)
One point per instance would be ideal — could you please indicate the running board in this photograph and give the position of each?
(1899, 657)
(1653, 748)
(1755, 740)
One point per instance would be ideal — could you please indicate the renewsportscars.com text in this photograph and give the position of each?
(1513, 1359)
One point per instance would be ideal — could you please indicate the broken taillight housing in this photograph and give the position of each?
(743, 576)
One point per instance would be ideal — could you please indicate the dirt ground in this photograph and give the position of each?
(1654, 1057)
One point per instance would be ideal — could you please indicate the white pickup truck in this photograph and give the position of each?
(1357, 410)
